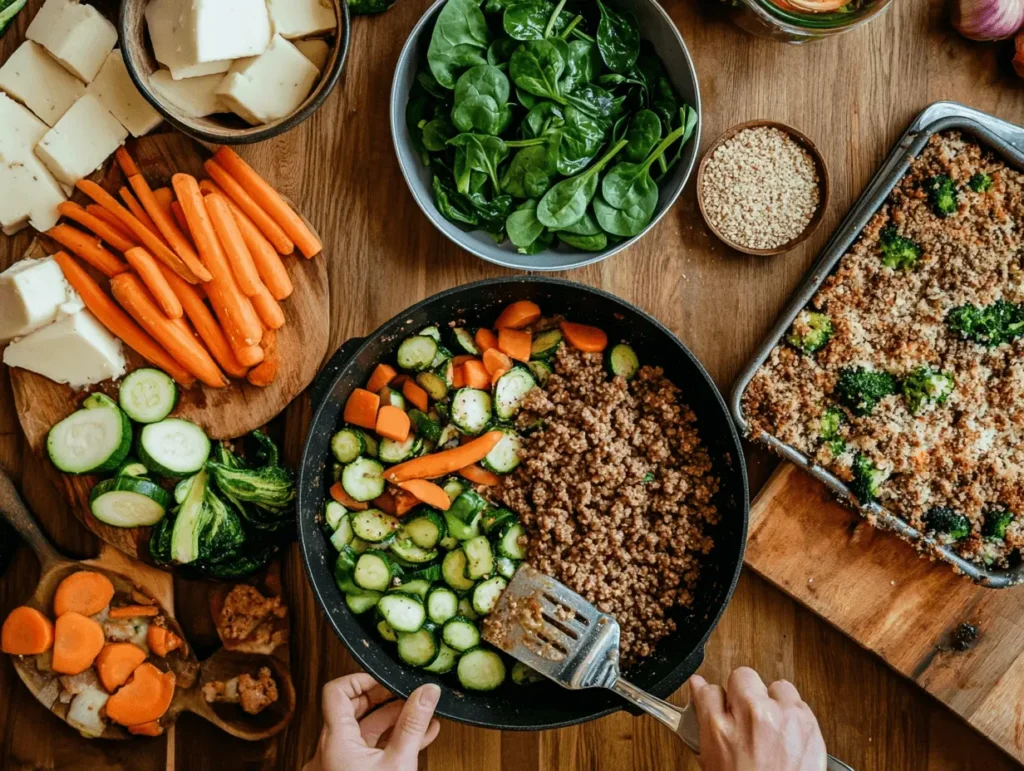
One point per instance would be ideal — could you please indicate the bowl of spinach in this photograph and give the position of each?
(543, 136)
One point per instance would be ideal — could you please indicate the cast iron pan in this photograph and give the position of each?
(543, 705)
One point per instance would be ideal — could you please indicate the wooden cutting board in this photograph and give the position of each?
(223, 413)
(875, 588)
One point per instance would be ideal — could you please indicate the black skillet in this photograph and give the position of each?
(544, 705)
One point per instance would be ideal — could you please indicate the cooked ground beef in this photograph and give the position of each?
(615, 490)
(966, 453)
(252, 694)
(248, 615)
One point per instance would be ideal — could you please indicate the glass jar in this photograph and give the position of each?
(766, 19)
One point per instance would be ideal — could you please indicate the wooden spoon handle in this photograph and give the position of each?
(13, 509)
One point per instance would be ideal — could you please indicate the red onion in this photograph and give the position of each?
(988, 19)
(1018, 60)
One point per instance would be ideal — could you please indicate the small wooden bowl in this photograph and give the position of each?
(824, 187)
(224, 129)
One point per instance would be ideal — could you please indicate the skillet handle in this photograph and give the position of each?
(326, 376)
(690, 665)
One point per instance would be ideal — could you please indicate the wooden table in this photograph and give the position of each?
(852, 96)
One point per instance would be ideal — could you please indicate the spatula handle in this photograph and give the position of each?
(13, 509)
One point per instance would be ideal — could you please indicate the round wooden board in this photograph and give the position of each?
(223, 413)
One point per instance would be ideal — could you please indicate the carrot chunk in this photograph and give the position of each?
(162, 640)
(477, 375)
(144, 698)
(416, 395)
(458, 377)
(515, 343)
(26, 632)
(518, 315)
(86, 592)
(485, 339)
(116, 663)
(479, 475)
(382, 375)
(392, 423)
(495, 360)
(361, 408)
(77, 641)
(428, 493)
(585, 338)
(135, 611)
(338, 493)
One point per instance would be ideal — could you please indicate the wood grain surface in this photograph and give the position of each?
(853, 97)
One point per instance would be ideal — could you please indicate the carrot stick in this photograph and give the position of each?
(140, 213)
(116, 663)
(428, 493)
(179, 217)
(361, 408)
(162, 640)
(478, 475)
(458, 377)
(234, 245)
(164, 196)
(585, 338)
(100, 213)
(148, 239)
(268, 227)
(393, 423)
(268, 263)
(118, 322)
(518, 315)
(267, 309)
(86, 592)
(382, 375)
(165, 224)
(135, 299)
(144, 698)
(149, 271)
(88, 248)
(125, 161)
(26, 632)
(404, 503)
(134, 611)
(515, 343)
(495, 360)
(205, 324)
(264, 373)
(77, 641)
(416, 395)
(270, 200)
(444, 462)
(338, 493)
(233, 308)
(476, 375)
(95, 225)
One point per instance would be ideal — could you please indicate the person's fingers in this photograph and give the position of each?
(432, 732)
(784, 692)
(374, 725)
(708, 700)
(745, 687)
(414, 722)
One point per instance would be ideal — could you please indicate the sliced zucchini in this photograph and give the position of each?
(333, 514)
(432, 332)
(442, 604)
(424, 426)
(425, 528)
(373, 525)
(343, 536)
(344, 568)
(453, 569)
(404, 612)
(467, 506)
(480, 669)
(384, 630)
(96, 438)
(495, 520)
(417, 353)
(487, 593)
(373, 571)
(443, 355)
(347, 445)
(181, 490)
(510, 390)
(193, 517)
(465, 340)
(363, 479)
(622, 361)
(127, 501)
(460, 530)
(147, 395)
(508, 544)
(460, 633)
(431, 574)
(466, 609)
(391, 451)
(449, 436)
(471, 409)
(407, 550)
(370, 441)
(435, 385)
(362, 602)
(131, 468)
(444, 661)
(541, 371)
(453, 488)
(479, 557)
(418, 648)
(390, 397)
(504, 457)
(173, 447)
(358, 545)
(523, 674)
(546, 344)
(449, 542)
(417, 586)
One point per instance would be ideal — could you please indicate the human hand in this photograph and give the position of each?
(749, 727)
(358, 712)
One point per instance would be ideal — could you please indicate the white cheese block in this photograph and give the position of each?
(35, 79)
(186, 33)
(268, 87)
(81, 141)
(195, 97)
(114, 89)
(170, 29)
(316, 51)
(76, 35)
(28, 192)
(31, 295)
(76, 350)
(300, 18)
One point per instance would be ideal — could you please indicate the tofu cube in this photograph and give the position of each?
(31, 294)
(81, 141)
(187, 33)
(35, 79)
(193, 97)
(114, 89)
(76, 35)
(316, 51)
(76, 349)
(300, 18)
(268, 87)
(28, 192)
(169, 30)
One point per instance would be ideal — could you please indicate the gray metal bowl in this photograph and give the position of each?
(656, 27)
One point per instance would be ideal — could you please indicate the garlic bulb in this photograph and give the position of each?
(988, 19)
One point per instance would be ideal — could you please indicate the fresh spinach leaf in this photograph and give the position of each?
(581, 140)
(481, 100)
(522, 225)
(597, 242)
(459, 41)
(529, 19)
(585, 226)
(537, 65)
(542, 119)
(565, 203)
(482, 153)
(581, 64)
(595, 101)
(501, 50)
(449, 203)
(482, 80)
(429, 83)
(532, 170)
(688, 120)
(436, 134)
(643, 134)
(620, 222)
(618, 38)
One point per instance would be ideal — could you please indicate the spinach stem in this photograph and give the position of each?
(571, 28)
(526, 142)
(554, 17)
(583, 35)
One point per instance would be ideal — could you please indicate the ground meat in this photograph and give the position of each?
(248, 615)
(966, 453)
(253, 694)
(615, 489)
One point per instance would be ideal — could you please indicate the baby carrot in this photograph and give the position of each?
(149, 271)
(267, 309)
(264, 373)
(234, 245)
(166, 225)
(446, 461)
(479, 475)
(100, 213)
(268, 227)
(88, 248)
(126, 162)
(140, 213)
(95, 225)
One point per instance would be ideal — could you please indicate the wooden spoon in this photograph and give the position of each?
(128, 575)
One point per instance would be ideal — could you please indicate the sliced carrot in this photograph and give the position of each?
(118, 322)
(270, 200)
(416, 395)
(495, 360)
(428, 493)
(149, 271)
(139, 212)
(518, 315)
(100, 213)
(96, 226)
(85, 591)
(88, 248)
(26, 632)
(393, 423)
(361, 408)
(125, 161)
(144, 698)
(165, 224)
(338, 493)
(265, 373)
(77, 641)
(231, 240)
(152, 728)
(584, 337)
(515, 343)
(462, 358)
(386, 503)
(444, 462)
(404, 502)
(497, 375)
(476, 375)
(399, 381)
(116, 662)
(134, 611)
(382, 375)
(479, 475)
(485, 339)
(162, 640)
(270, 313)
(266, 224)
(458, 377)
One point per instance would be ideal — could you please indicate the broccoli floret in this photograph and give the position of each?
(981, 182)
(861, 389)
(829, 428)
(946, 521)
(898, 252)
(942, 196)
(996, 522)
(991, 325)
(867, 479)
(925, 385)
(810, 332)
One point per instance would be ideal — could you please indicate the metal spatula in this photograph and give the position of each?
(550, 628)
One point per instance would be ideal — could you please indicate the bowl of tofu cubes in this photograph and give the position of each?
(235, 71)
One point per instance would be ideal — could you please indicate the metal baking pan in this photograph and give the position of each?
(1004, 138)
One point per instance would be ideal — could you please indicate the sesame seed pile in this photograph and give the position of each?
(760, 188)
